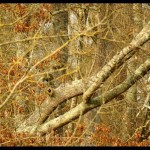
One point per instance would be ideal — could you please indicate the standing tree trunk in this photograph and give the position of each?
(60, 23)
(145, 132)
(131, 95)
(95, 15)
(77, 19)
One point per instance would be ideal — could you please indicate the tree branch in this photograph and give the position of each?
(82, 108)
(77, 86)
(139, 40)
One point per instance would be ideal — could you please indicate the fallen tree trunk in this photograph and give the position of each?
(77, 87)
(83, 107)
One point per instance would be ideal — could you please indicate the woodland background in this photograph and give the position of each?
(74, 74)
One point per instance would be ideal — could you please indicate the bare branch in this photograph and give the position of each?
(76, 88)
(82, 108)
(139, 40)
